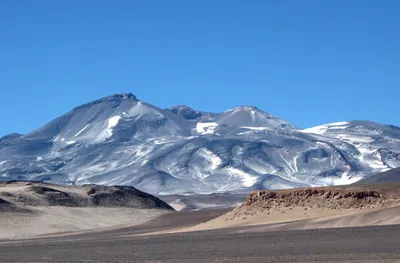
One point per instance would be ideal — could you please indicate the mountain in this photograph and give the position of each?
(249, 116)
(243, 116)
(385, 177)
(118, 117)
(120, 140)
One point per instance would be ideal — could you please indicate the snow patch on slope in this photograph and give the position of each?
(345, 179)
(79, 132)
(254, 128)
(206, 127)
(213, 160)
(112, 122)
(107, 130)
(142, 109)
(371, 157)
(324, 128)
(247, 179)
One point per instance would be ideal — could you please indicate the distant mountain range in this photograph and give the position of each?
(385, 177)
(120, 140)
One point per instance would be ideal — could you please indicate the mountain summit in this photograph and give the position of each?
(251, 116)
(185, 112)
(120, 140)
(117, 117)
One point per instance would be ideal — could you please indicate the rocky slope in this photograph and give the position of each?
(330, 198)
(19, 196)
(34, 209)
(120, 140)
(310, 208)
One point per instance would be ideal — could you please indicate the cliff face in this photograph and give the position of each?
(318, 199)
(330, 198)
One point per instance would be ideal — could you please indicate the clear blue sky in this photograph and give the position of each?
(308, 62)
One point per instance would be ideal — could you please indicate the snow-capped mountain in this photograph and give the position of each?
(119, 117)
(120, 140)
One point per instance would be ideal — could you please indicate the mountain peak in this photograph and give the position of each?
(248, 108)
(251, 116)
(119, 96)
(185, 112)
(127, 96)
(180, 107)
(10, 137)
(114, 100)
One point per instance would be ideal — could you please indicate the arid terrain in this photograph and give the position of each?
(241, 244)
(29, 209)
(346, 206)
(357, 223)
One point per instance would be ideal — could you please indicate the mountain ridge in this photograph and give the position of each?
(120, 139)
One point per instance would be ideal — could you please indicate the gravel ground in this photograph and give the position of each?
(364, 244)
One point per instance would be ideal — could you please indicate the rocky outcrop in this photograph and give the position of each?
(330, 198)
(126, 196)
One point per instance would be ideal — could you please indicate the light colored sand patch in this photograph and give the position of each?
(22, 186)
(177, 206)
(228, 220)
(13, 187)
(297, 218)
(271, 217)
(370, 217)
(47, 220)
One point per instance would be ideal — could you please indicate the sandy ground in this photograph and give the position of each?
(298, 218)
(60, 220)
(21, 187)
(33, 221)
(271, 217)
(47, 220)
(295, 209)
(295, 219)
(329, 207)
(44, 220)
(376, 244)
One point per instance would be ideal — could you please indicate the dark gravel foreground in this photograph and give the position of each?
(364, 244)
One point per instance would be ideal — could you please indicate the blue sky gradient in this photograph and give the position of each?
(308, 62)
